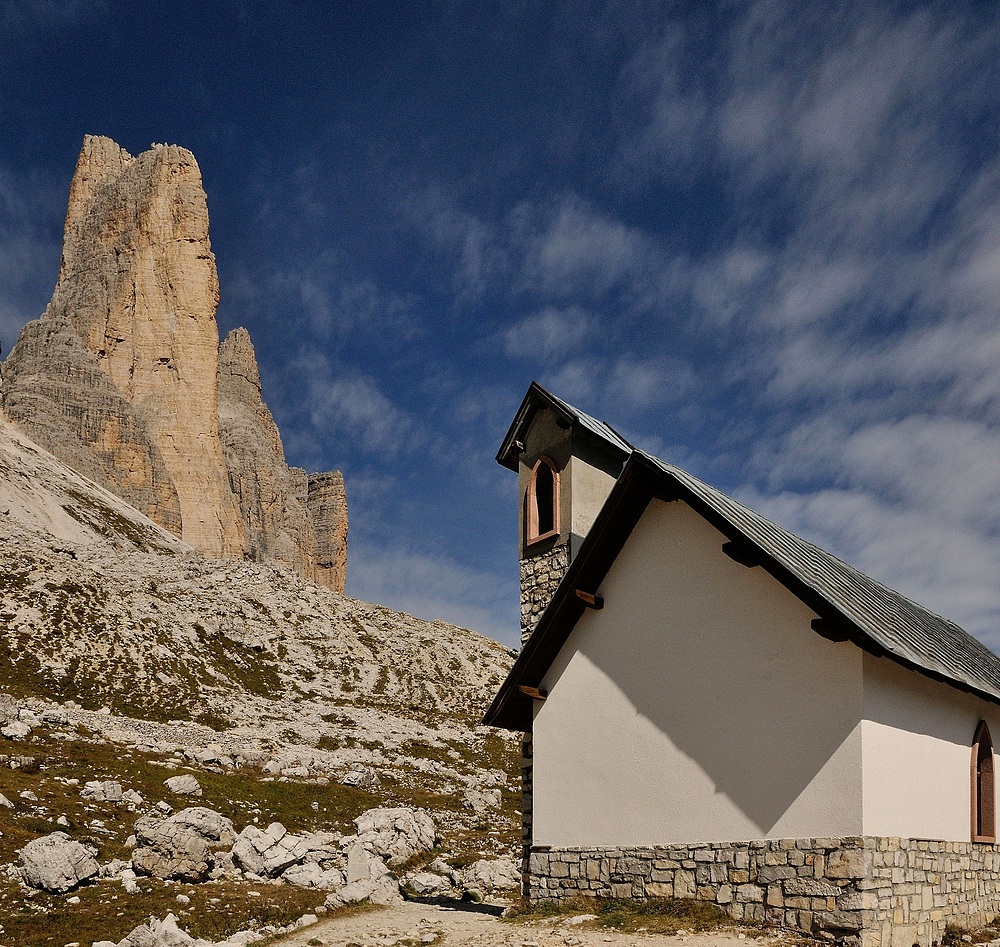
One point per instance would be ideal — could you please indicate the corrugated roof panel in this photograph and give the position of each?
(598, 428)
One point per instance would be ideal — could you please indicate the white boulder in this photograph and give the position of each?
(394, 834)
(481, 801)
(108, 790)
(362, 777)
(426, 883)
(185, 785)
(56, 863)
(181, 847)
(268, 852)
(310, 875)
(165, 933)
(15, 730)
(368, 879)
(500, 874)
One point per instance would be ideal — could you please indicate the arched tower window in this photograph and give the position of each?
(543, 501)
(983, 789)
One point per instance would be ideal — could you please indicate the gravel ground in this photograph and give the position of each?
(415, 924)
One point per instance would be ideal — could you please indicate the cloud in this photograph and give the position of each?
(436, 586)
(323, 299)
(628, 383)
(572, 250)
(855, 286)
(548, 333)
(662, 84)
(928, 558)
(477, 251)
(349, 406)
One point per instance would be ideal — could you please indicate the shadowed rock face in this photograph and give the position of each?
(288, 517)
(122, 376)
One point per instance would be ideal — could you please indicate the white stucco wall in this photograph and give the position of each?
(589, 487)
(698, 705)
(917, 752)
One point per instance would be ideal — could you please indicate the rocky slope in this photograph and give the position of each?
(123, 377)
(101, 605)
(128, 658)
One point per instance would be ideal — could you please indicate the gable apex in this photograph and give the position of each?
(537, 399)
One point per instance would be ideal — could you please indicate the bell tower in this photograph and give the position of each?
(566, 462)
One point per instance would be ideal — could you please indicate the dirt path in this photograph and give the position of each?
(478, 925)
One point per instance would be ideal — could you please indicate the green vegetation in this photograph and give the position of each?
(108, 522)
(106, 912)
(253, 671)
(655, 915)
(240, 795)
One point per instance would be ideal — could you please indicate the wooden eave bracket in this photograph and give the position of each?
(742, 554)
(831, 632)
(591, 601)
(533, 692)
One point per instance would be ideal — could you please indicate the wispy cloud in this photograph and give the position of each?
(548, 333)
(435, 585)
(477, 250)
(351, 407)
(572, 250)
(628, 383)
(858, 294)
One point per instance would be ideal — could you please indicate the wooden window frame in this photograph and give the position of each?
(983, 785)
(531, 503)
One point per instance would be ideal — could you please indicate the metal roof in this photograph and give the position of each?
(851, 605)
(537, 397)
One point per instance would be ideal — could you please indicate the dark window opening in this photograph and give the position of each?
(543, 501)
(983, 786)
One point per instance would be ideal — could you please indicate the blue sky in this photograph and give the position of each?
(761, 239)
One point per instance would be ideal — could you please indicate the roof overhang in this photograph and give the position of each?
(642, 480)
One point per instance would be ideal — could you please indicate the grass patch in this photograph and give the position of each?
(655, 915)
(254, 672)
(240, 795)
(105, 912)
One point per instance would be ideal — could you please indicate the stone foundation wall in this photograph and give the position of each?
(872, 892)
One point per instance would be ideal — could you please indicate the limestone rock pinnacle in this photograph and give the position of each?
(121, 375)
(281, 518)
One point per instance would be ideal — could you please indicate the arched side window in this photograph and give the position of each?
(543, 501)
(983, 787)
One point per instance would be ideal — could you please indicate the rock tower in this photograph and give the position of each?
(124, 379)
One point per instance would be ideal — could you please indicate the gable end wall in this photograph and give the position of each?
(701, 696)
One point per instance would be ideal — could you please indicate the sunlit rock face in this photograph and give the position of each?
(121, 376)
